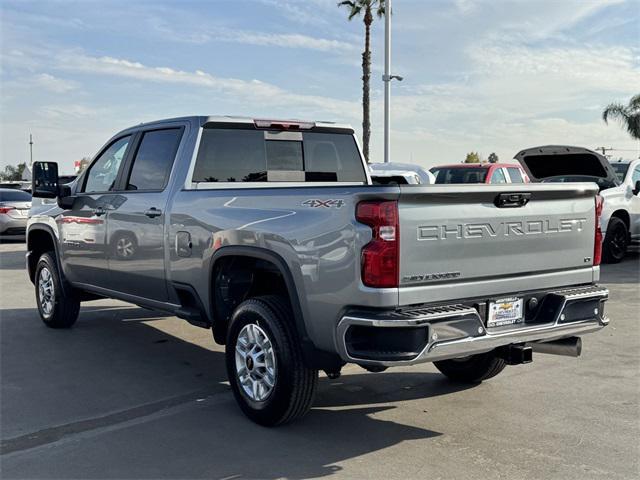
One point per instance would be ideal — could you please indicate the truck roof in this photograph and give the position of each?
(208, 119)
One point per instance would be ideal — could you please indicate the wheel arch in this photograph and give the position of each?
(261, 254)
(40, 239)
(624, 216)
(312, 356)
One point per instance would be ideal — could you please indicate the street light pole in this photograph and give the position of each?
(387, 78)
(30, 151)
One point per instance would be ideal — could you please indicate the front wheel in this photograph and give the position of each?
(616, 241)
(56, 309)
(266, 372)
(472, 369)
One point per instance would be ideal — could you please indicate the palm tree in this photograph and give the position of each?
(357, 7)
(628, 115)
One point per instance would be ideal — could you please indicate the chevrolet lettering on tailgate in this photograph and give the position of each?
(486, 229)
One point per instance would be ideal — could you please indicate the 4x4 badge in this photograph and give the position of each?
(316, 203)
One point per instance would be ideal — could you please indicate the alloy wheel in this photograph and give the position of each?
(46, 291)
(255, 362)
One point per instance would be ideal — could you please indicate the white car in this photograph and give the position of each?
(400, 173)
(619, 185)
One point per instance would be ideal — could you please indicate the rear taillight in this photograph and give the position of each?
(597, 242)
(6, 209)
(380, 257)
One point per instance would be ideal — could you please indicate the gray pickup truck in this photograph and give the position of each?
(271, 234)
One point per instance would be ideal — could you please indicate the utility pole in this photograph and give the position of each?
(386, 78)
(30, 151)
(605, 150)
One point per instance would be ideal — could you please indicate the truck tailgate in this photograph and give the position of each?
(458, 235)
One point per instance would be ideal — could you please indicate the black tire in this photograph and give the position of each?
(473, 369)
(294, 384)
(614, 246)
(57, 309)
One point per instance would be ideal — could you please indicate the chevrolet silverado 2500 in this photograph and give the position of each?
(271, 234)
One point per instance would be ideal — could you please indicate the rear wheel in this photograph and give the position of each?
(616, 241)
(268, 377)
(472, 369)
(56, 309)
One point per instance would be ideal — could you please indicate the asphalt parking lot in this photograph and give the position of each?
(129, 393)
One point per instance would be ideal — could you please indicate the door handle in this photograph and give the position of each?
(512, 200)
(153, 212)
(99, 211)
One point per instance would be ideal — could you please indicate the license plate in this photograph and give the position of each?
(504, 311)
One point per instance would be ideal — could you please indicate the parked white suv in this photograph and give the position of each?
(623, 203)
(619, 184)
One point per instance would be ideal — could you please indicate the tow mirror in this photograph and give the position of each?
(636, 189)
(44, 180)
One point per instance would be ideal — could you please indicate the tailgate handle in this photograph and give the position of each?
(512, 200)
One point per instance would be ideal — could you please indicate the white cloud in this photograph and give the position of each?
(511, 98)
(304, 12)
(243, 91)
(288, 40)
(212, 33)
(68, 110)
(465, 6)
(54, 84)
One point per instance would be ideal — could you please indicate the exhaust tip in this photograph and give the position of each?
(568, 347)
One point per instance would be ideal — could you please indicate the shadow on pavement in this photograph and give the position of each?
(627, 271)
(113, 369)
(13, 260)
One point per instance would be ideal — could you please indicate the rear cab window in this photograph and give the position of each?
(460, 174)
(248, 154)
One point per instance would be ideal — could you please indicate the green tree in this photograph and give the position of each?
(472, 157)
(628, 115)
(13, 173)
(493, 158)
(83, 164)
(356, 8)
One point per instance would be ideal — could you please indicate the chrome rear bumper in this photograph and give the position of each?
(452, 331)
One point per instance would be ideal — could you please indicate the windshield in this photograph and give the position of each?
(603, 183)
(460, 174)
(14, 196)
(621, 170)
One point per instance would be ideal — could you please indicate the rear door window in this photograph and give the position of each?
(515, 175)
(248, 155)
(154, 158)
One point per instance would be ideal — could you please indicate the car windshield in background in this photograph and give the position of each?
(603, 183)
(460, 174)
(249, 155)
(14, 196)
(621, 170)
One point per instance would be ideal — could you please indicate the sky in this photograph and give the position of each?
(487, 76)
